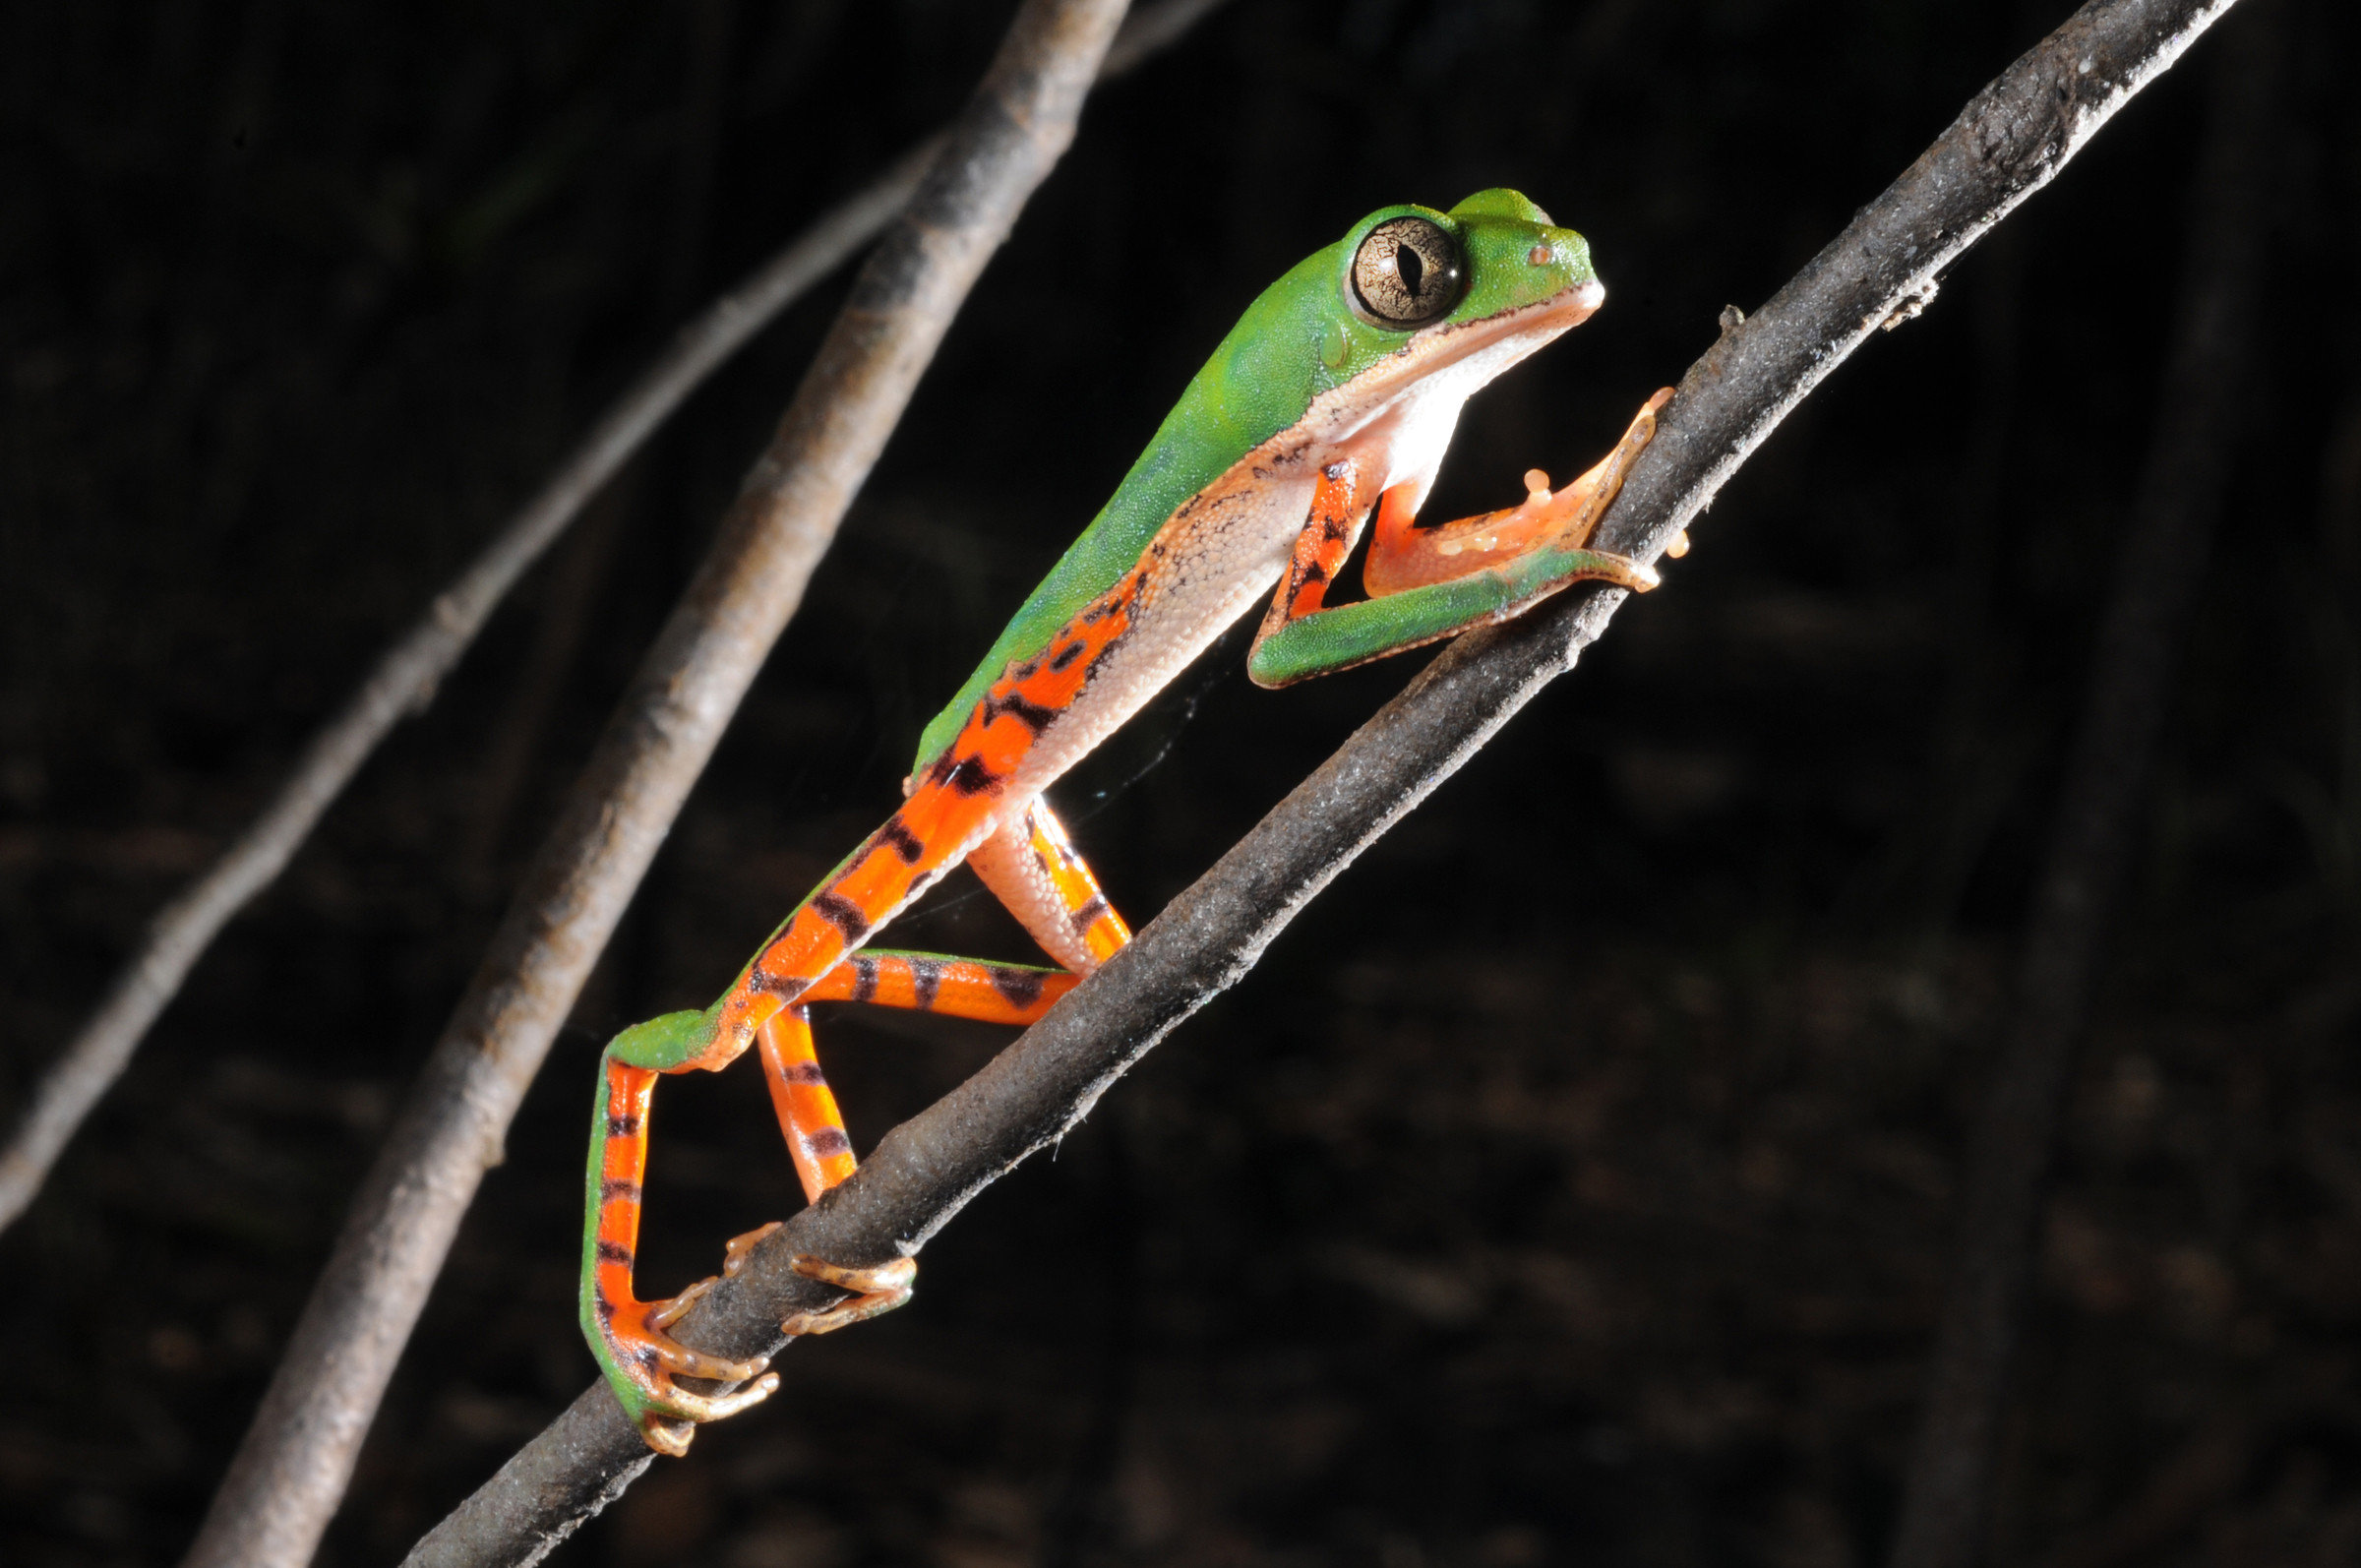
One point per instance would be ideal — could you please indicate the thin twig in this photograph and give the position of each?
(405, 680)
(2160, 566)
(2011, 139)
(297, 1457)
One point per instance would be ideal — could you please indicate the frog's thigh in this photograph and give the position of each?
(1032, 868)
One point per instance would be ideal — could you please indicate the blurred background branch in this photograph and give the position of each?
(291, 1470)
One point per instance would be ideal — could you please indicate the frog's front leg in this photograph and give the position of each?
(1428, 583)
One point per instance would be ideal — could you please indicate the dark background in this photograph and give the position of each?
(1572, 1182)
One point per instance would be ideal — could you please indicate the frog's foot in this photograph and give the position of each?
(874, 1291)
(649, 1359)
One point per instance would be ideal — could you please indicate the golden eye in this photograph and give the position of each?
(1407, 272)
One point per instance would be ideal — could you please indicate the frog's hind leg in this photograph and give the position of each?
(634, 1334)
(628, 1335)
(813, 1126)
(1032, 868)
(956, 988)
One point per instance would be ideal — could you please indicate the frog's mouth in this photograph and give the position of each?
(1447, 343)
(1448, 361)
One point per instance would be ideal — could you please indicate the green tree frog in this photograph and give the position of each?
(1326, 408)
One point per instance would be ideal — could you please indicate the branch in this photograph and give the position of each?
(2011, 139)
(406, 675)
(2160, 562)
(297, 1455)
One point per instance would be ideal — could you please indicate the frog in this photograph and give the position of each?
(1322, 415)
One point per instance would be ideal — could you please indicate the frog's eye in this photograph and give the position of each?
(1407, 272)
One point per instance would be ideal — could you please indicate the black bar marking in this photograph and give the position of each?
(763, 981)
(623, 1126)
(865, 979)
(828, 1142)
(1065, 658)
(1021, 987)
(842, 913)
(970, 776)
(1089, 915)
(803, 1072)
(614, 1188)
(926, 979)
(609, 1252)
(904, 842)
(1032, 715)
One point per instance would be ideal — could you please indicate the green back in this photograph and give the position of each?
(1298, 340)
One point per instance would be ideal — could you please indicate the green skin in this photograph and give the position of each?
(1301, 338)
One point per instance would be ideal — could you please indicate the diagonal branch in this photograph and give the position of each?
(2011, 139)
(297, 1457)
(404, 679)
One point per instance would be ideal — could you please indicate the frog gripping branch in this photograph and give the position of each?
(1334, 396)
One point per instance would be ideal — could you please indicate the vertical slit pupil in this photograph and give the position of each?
(1413, 268)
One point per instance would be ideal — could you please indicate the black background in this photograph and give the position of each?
(1572, 1181)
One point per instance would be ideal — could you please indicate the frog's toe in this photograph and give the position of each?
(703, 1408)
(875, 1290)
(645, 1362)
(738, 1248)
(674, 1418)
(670, 1414)
(667, 1437)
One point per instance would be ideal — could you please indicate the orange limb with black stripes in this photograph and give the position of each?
(1029, 863)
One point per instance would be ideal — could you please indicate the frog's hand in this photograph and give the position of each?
(1428, 583)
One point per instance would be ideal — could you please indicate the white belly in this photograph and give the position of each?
(1223, 555)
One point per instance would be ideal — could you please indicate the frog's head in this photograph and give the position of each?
(1409, 269)
(1410, 301)
(1419, 298)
